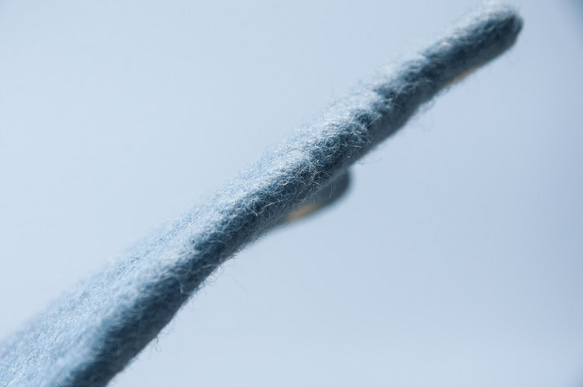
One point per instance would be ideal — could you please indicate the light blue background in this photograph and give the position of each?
(455, 260)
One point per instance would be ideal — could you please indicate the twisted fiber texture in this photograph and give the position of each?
(94, 330)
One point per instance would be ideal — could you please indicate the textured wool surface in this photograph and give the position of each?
(94, 330)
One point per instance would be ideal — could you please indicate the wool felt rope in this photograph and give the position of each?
(95, 329)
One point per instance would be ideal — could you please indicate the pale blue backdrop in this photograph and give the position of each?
(455, 260)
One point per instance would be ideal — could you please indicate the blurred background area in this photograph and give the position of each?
(456, 258)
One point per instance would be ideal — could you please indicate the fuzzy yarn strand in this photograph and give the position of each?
(94, 330)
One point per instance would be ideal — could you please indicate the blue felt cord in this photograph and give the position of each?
(94, 330)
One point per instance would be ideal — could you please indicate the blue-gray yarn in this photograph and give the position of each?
(93, 331)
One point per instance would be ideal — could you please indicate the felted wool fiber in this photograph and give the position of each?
(94, 330)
